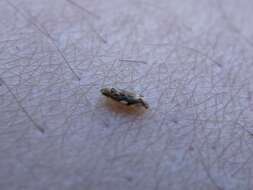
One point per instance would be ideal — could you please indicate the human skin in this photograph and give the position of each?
(192, 60)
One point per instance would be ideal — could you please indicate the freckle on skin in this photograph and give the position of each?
(129, 178)
(249, 95)
(175, 121)
(191, 148)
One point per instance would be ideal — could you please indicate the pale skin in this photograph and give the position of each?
(191, 61)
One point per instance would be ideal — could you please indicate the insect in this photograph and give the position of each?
(124, 97)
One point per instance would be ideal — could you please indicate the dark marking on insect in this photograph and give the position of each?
(124, 97)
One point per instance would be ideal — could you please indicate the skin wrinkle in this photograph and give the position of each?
(231, 25)
(22, 107)
(88, 22)
(43, 31)
(83, 9)
(193, 66)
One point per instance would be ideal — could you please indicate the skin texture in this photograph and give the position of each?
(191, 59)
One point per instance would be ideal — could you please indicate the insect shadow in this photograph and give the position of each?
(117, 107)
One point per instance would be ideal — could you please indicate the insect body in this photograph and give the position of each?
(124, 97)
